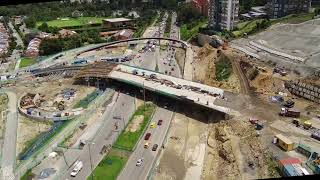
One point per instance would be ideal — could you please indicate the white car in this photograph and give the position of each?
(139, 162)
(76, 168)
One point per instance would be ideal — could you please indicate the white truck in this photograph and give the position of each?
(76, 168)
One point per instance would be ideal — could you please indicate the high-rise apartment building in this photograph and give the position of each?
(280, 8)
(223, 14)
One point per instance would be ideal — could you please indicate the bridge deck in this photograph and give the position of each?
(195, 92)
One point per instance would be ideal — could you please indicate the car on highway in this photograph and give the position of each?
(153, 125)
(146, 145)
(147, 137)
(160, 122)
(154, 147)
(76, 168)
(139, 162)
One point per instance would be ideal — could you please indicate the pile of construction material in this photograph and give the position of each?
(308, 91)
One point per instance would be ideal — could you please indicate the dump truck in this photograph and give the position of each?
(289, 112)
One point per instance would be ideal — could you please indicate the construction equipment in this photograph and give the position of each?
(289, 112)
(296, 122)
(288, 104)
(259, 125)
(307, 125)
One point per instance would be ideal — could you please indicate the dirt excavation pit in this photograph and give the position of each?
(134, 125)
(184, 151)
(206, 62)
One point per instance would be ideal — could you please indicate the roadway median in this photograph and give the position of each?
(112, 164)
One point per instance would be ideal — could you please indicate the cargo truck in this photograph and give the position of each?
(289, 112)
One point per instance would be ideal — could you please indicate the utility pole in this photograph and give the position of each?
(89, 143)
(144, 97)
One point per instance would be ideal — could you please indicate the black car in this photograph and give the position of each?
(154, 147)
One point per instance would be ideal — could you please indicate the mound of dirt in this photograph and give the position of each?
(205, 70)
(266, 83)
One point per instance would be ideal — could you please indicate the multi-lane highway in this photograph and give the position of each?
(124, 107)
(158, 134)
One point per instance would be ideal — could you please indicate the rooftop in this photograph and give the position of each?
(117, 20)
(284, 139)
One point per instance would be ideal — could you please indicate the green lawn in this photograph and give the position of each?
(246, 27)
(223, 68)
(70, 22)
(111, 165)
(186, 33)
(127, 140)
(294, 18)
(27, 62)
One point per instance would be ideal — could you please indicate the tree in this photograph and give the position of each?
(30, 22)
(44, 27)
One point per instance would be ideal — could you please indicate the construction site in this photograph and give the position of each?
(225, 113)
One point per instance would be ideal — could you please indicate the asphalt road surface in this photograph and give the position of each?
(10, 138)
(131, 171)
(124, 107)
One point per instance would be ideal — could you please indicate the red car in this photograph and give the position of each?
(160, 122)
(147, 137)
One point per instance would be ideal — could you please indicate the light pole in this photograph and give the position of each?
(89, 146)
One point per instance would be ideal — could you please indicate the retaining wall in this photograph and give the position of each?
(304, 90)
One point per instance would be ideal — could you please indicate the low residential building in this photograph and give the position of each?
(33, 48)
(115, 23)
(123, 34)
(107, 34)
(280, 8)
(4, 40)
(66, 33)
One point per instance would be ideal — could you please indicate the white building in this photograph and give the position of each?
(223, 14)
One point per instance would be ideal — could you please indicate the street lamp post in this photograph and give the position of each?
(89, 146)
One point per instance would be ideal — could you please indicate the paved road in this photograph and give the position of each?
(124, 107)
(10, 138)
(167, 62)
(131, 171)
(16, 55)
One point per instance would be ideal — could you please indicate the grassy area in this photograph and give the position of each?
(246, 27)
(111, 165)
(25, 61)
(223, 68)
(294, 18)
(187, 31)
(84, 103)
(28, 175)
(70, 22)
(127, 140)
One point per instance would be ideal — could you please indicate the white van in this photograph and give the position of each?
(76, 168)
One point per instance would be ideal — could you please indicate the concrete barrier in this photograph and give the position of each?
(307, 91)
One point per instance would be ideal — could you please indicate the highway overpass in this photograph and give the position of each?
(171, 86)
